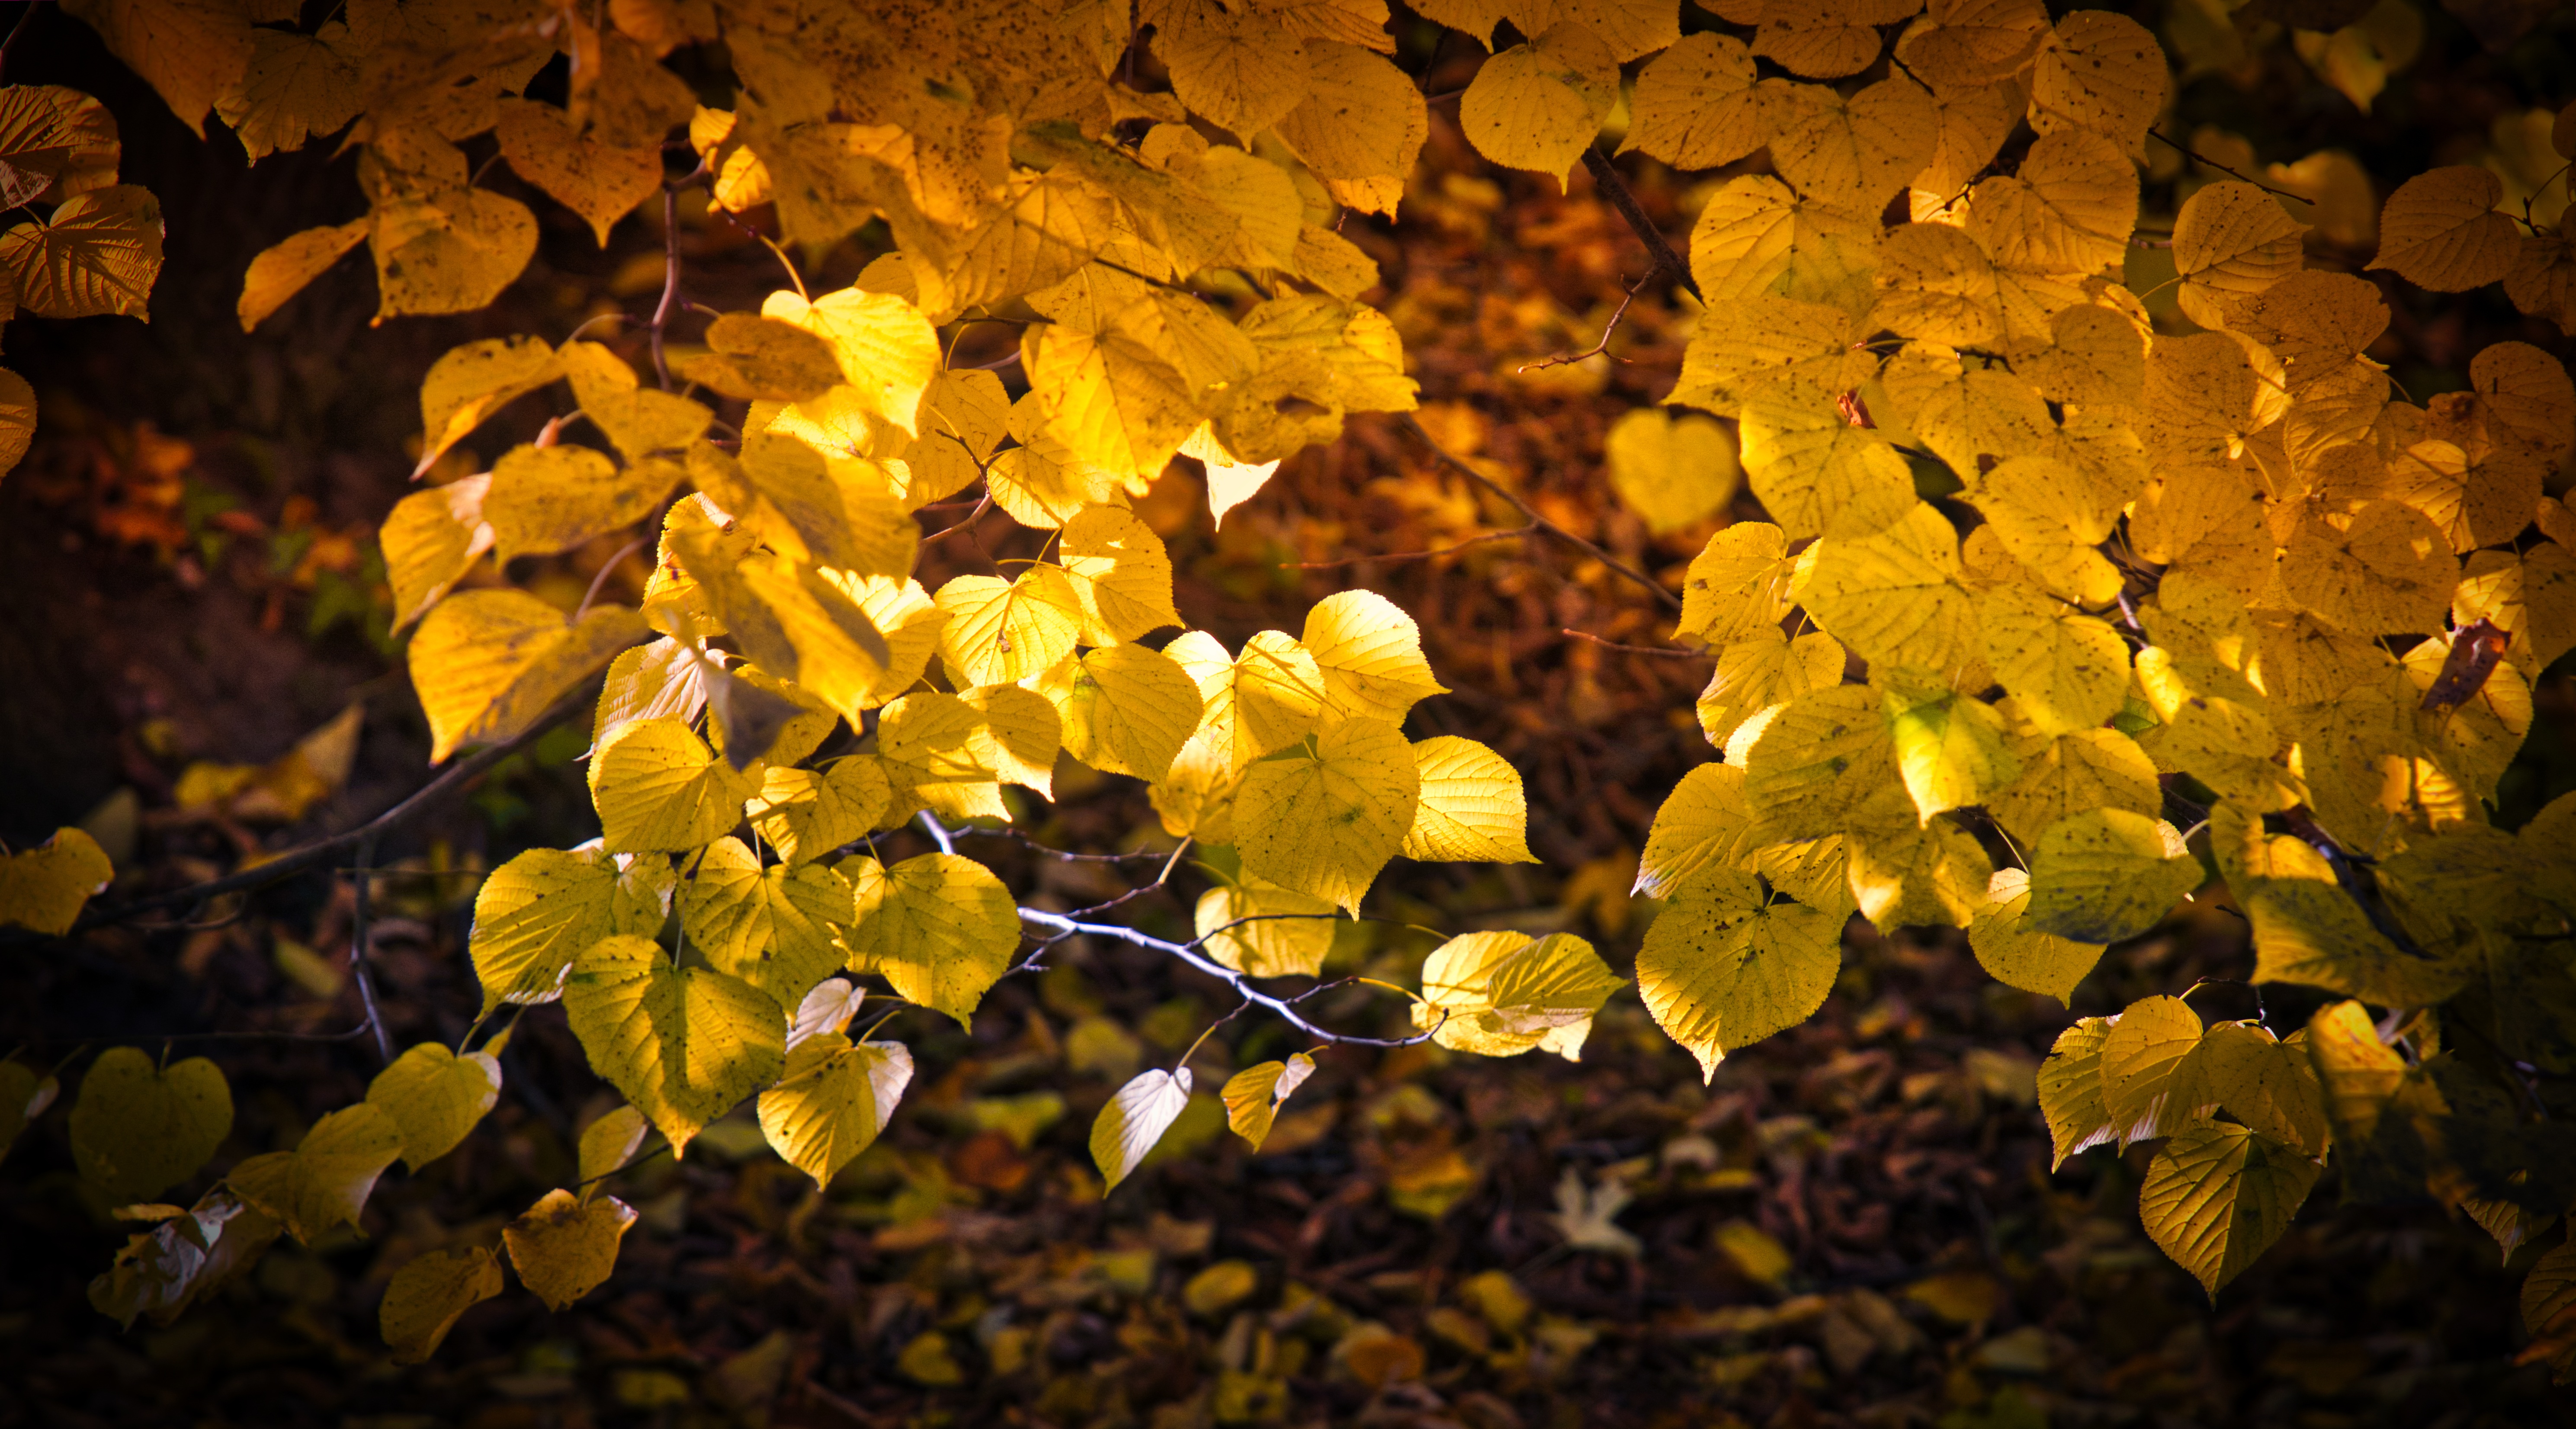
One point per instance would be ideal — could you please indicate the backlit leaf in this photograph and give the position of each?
(1719, 974)
(1136, 1118)
(1501, 994)
(1471, 809)
(289, 267)
(2441, 230)
(2022, 956)
(685, 1045)
(1254, 1095)
(832, 1101)
(435, 1097)
(2217, 1196)
(325, 1180)
(1536, 105)
(2105, 875)
(940, 927)
(1325, 822)
(565, 1248)
(1258, 928)
(99, 252)
(44, 888)
(659, 788)
(773, 928)
(488, 664)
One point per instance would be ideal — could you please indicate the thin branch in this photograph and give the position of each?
(670, 280)
(2195, 154)
(295, 861)
(1513, 534)
(358, 940)
(1598, 349)
(601, 577)
(1283, 1008)
(1606, 178)
(938, 832)
(16, 30)
(1634, 649)
(1542, 523)
(971, 518)
(1038, 848)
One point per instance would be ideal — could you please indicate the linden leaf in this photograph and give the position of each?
(2385, 569)
(829, 1007)
(1737, 586)
(2019, 955)
(2101, 72)
(1757, 236)
(547, 499)
(1933, 875)
(1325, 822)
(805, 814)
(44, 888)
(1895, 597)
(1000, 632)
(1672, 471)
(1133, 1120)
(564, 1248)
(1359, 117)
(295, 87)
(1694, 106)
(288, 268)
(2067, 210)
(685, 1045)
(470, 382)
(1254, 1095)
(1260, 929)
(1719, 974)
(934, 750)
(430, 1294)
(1127, 709)
(1830, 40)
(1369, 654)
(1824, 764)
(940, 927)
(2070, 1090)
(2107, 875)
(2065, 670)
(2441, 230)
(833, 1100)
(2231, 242)
(1235, 67)
(775, 928)
(1124, 576)
(56, 142)
(2217, 1196)
(2152, 1080)
(607, 1144)
(1269, 697)
(435, 1097)
(2046, 519)
(2266, 1084)
(138, 1130)
(430, 540)
(488, 664)
(1850, 153)
(450, 252)
(1949, 748)
(1538, 105)
(1501, 994)
(17, 419)
(639, 421)
(326, 1179)
(186, 1258)
(543, 908)
(100, 252)
(601, 182)
(1704, 830)
(1471, 809)
(658, 788)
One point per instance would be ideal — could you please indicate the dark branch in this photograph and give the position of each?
(1606, 178)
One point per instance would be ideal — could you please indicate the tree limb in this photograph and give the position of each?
(1606, 178)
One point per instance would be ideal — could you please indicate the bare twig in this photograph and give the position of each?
(1542, 523)
(1605, 177)
(1282, 1007)
(971, 518)
(1601, 348)
(601, 577)
(16, 30)
(358, 969)
(2195, 154)
(1513, 534)
(1634, 649)
(295, 861)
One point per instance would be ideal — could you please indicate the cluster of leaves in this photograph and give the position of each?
(2046, 585)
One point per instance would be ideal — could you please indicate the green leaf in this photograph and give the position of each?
(435, 1097)
(326, 1179)
(2217, 1196)
(940, 927)
(685, 1045)
(138, 1130)
(834, 1099)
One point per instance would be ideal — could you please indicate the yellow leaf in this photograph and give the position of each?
(639, 423)
(286, 269)
(56, 141)
(1019, 736)
(138, 1130)
(2065, 670)
(295, 87)
(2230, 243)
(450, 252)
(887, 351)
(430, 540)
(2100, 72)
(1852, 154)
(1293, 933)
(1041, 483)
(1501, 994)
(1254, 1095)
(838, 513)
(1816, 474)
(963, 416)
(470, 382)
(564, 1248)
(834, 651)
(1239, 69)
(1118, 567)
(805, 814)
(1195, 798)
(774, 928)
(1672, 471)
(685, 1045)
(543, 908)
(2045, 517)
(1694, 106)
(1000, 632)
(1369, 653)
(1763, 670)
(2067, 210)
(2097, 357)
(2152, 1077)
(934, 748)
(2441, 230)
(2018, 955)
(548, 499)
(2217, 1196)
(488, 664)
(607, 1144)
(325, 1180)
(1537, 105)
(1127, 709)
(190, 53)
(601, 182)
(1936, 285)
(1116, 403)
(99, 252)
(1975, 118)
(2307, 929)
(44, 888)
(1324, 823)
(834, 1099)
(2265, 1084)
(2385, 569)
(1824, 764)
(1358, 117)
(2070, 1090)
(1756, 236)
(1949, 747)
(1974, 42)
(1704, 830)
(435, 1097)
(1723, 973)
(17, 419)
(1935, 875)
(1269, 697)
(762, 359)
(940, 927)
(2106, 875)
(2526, 397)
(1471, 806)
(2206, 397)
(1830, 40)
(1896, 597)
(1133, 1120)
(431, 1293)
(1737, 585)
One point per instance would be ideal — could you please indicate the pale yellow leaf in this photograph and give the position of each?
(685, 1045)
(940, 927)
(1323, 823)
(435, 1097)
